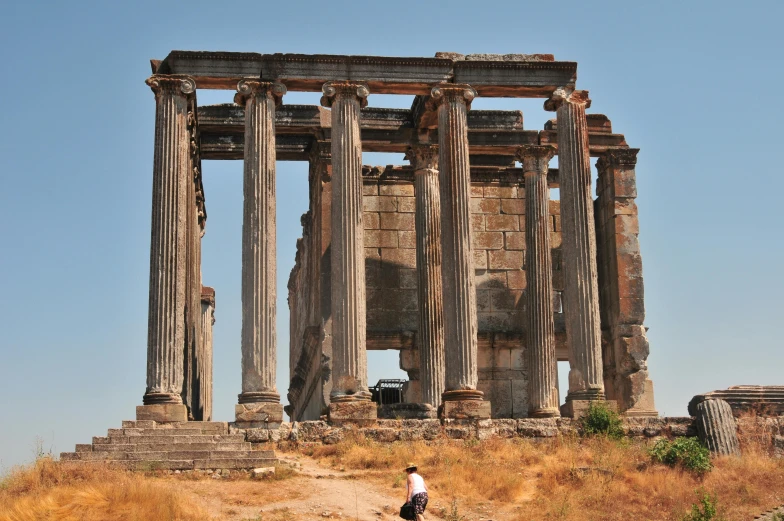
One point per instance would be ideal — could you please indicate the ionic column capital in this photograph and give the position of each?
(618, 157)
(173, 84)
(452, 92)
(423, 157)
(565, 95)
(340, 90)
(535, 158)
(247, 89)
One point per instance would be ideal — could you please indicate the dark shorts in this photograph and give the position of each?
(419, 502)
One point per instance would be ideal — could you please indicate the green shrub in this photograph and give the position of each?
(688, 453)
(705, 510)
(600, 420)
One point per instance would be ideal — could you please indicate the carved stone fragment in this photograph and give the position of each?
(716, 427)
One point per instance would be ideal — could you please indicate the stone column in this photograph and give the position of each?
(259, 400)
(461, 397)
(581, 294)
(540, 339)
(172, 183)
(350, 398)
(205, 365)
(430, 336)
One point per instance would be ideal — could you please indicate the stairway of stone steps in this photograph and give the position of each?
(147, 445)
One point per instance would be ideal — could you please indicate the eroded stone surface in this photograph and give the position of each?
(162, 412)
(466, 409)
(359, 412)
(762, 400)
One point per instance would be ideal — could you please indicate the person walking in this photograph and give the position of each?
(416, 492)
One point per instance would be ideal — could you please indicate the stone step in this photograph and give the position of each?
(168, 447)
(157, 432)
(152, 465)
(233, 455)
(84, 447)
(242, 463)
(187, 438)
(206, 427)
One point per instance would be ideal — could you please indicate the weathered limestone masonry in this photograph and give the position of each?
(349, 398)
(424, 160)
(461, 397)
(459, 261)
(540, 329)
(581, 292)
(259, 400)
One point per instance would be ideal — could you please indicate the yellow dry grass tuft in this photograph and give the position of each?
(62, 491)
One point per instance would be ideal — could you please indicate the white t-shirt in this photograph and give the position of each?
(419, 484)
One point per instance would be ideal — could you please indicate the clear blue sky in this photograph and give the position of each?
(695, 85)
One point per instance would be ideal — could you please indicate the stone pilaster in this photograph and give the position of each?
(430, 336)
(621, 282)
(172, 183)
(457, 275)
(581, 293)
(258, 254)
(540, 334)
(349, 363)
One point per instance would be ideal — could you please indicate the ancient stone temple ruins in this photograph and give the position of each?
(459, 259)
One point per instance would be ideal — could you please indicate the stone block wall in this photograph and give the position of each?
(498, 223)
(390, 255)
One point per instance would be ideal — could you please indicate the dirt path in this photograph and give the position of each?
(333, 494)
(315, 493)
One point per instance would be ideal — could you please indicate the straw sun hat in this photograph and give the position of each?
(411, 466)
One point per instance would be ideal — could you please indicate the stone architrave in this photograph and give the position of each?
(581, 293)
(458, 277)
(172, 183)
(349, 365)
(259, 400)
(540, 330)
(430, 336)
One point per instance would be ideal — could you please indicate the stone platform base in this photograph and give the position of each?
(466, 409)
(261, 414)
(359, 412)
(578, 408)
(162, 412)
(407, 411)
(148, 445)
(387, 431)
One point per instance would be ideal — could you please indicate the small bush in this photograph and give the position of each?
(452, 513)
(705, 510)
(600, 420)
(687, 453)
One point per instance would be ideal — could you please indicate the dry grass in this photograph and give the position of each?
(563, 479)
(568, 479)
(61, 491)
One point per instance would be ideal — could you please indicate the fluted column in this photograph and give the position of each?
(172, 185)
(349, 357)
(540, 340)
(581, 295)
(457, 274)
(205, 366)
(430, 336)
(259, 242)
